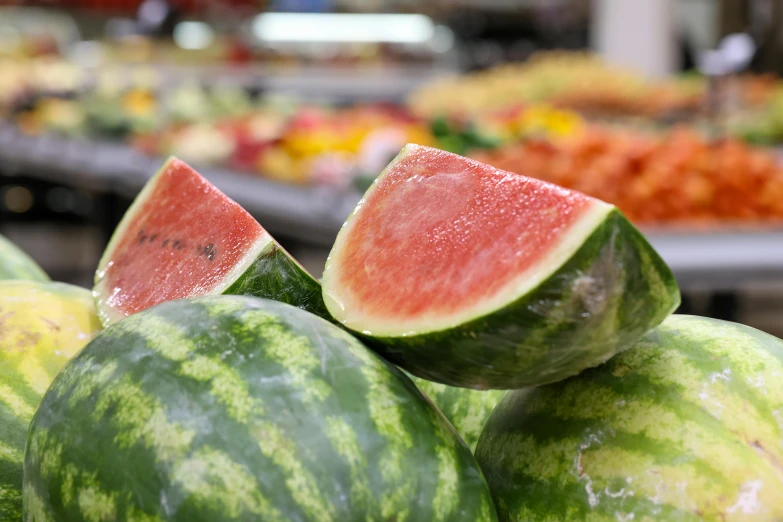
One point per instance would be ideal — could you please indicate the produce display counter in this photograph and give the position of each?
(330, 83)
(309, 214)
(720, 260)
(715, 260)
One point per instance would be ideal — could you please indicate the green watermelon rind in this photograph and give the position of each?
(276, 275)
(690, 416)
(236, 408)
(16, 264)
(467, 410)
(601, 300)
(266, 270)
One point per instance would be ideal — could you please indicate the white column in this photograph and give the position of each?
(639, 34)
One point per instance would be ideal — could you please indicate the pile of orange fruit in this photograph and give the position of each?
(676, 177)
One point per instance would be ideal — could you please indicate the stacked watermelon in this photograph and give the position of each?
(228, 385)
(685, 426)
(236, 408)
(42, 325)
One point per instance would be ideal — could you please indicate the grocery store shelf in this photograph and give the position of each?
(336, 84)
(373, 85)
(717, 260)
(310, 214)
(332, 83)
(722, 260)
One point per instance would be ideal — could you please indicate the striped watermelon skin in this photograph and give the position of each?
(466, 409)
(685, 426)
(15, 264)
(42, 325)
(236, 408)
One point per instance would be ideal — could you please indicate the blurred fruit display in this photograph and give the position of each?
(22, 79)
(574, 80)
(762, 124)
(508, 125)
(566, 118)
(678, 176)
(579, 81)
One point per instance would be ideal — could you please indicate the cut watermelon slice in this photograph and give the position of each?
(471, 276)
(182, 237)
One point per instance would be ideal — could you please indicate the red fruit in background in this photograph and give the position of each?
(239, 53)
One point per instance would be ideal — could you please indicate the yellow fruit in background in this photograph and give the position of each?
(276, 163)
(304, 143)
(547, 121)
(59, 114)
(139, 102)
(42, 325)
(420, 135)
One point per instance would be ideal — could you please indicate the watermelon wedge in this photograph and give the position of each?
(181, 238)
(471, 276)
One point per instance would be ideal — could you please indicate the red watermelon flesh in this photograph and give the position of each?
(439, 234)
(181, 238)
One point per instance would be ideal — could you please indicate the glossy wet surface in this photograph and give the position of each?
(183, 242)
(440, 232)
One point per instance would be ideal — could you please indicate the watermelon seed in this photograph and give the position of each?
(153, 238)
(766, 454)
(208, 251)
(166, 242)
(142, 239)
(175, 244)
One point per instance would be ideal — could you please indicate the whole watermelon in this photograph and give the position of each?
(685, 426)
(235, 408)
(467, 409)
(42, 325)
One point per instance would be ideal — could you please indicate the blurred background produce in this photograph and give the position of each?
(670, 109)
